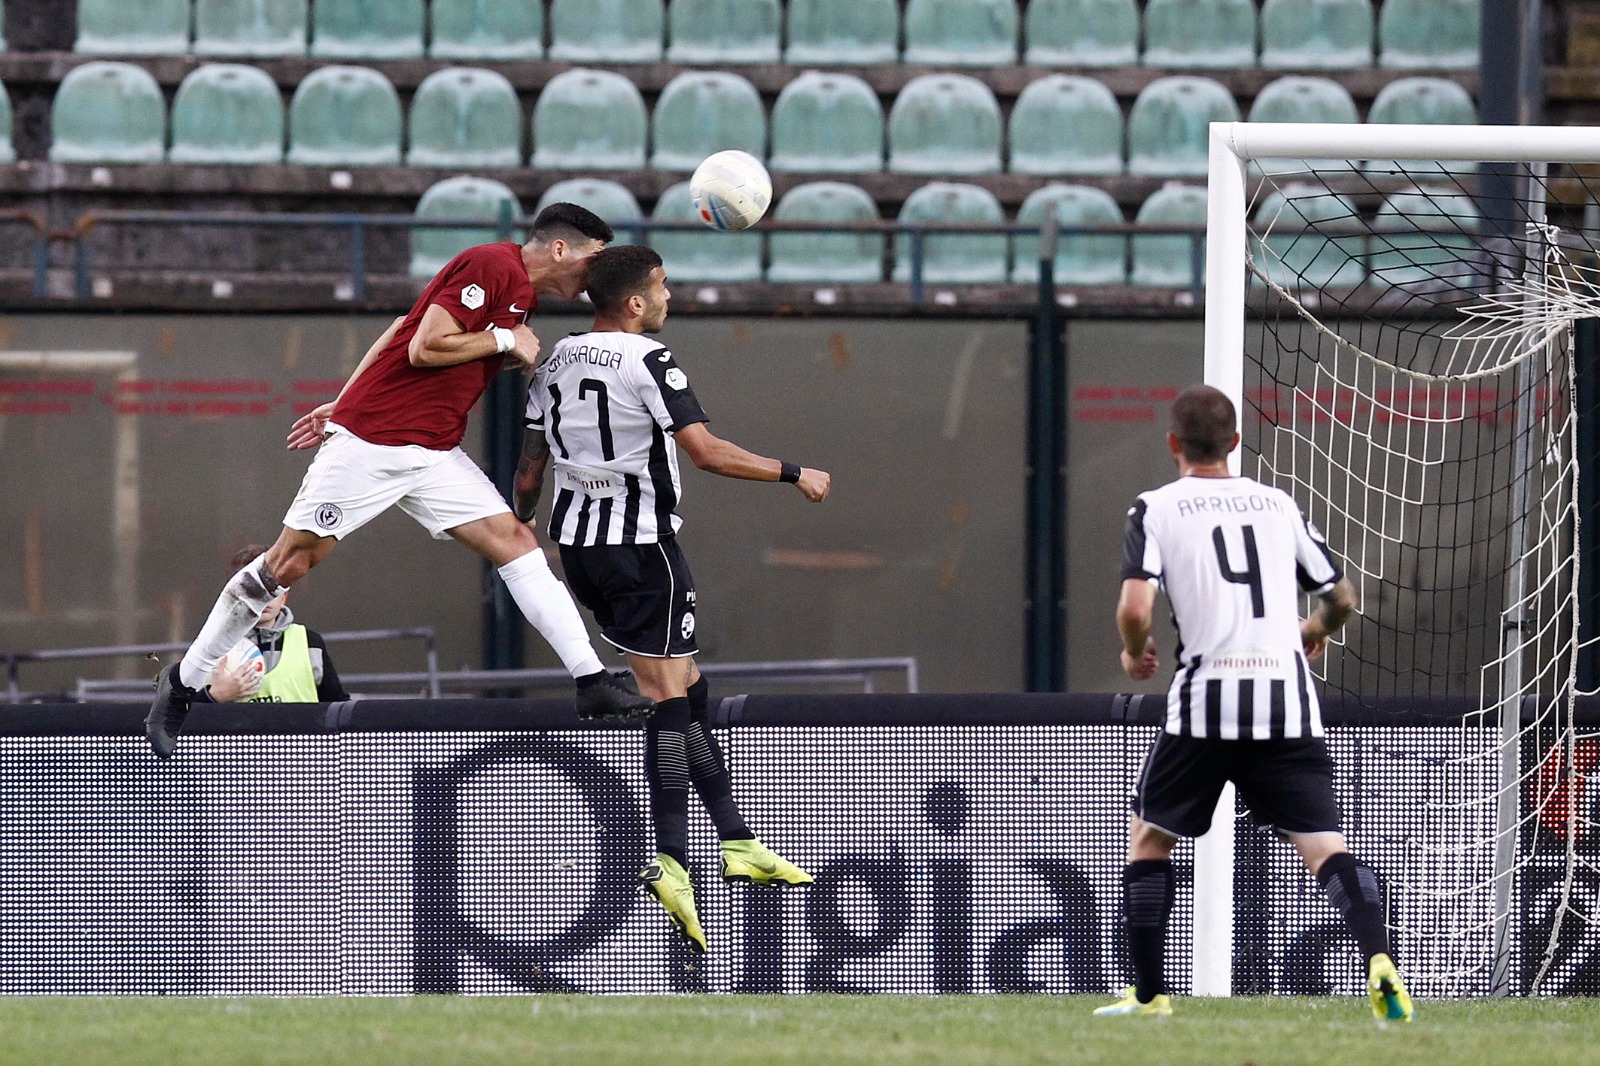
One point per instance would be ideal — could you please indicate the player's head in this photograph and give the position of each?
(565, 238)
(1204, 425)
(628, 286)
(243, 558)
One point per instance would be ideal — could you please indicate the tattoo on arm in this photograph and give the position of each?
(530, 473)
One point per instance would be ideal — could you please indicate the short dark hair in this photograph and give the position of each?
(620, 272)
(1204, 421)
(567, 221)
(245, 556)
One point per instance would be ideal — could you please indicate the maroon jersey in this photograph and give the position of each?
(393, 402)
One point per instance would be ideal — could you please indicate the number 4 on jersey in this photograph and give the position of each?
(1250, 575)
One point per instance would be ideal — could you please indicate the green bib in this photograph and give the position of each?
(291, 681)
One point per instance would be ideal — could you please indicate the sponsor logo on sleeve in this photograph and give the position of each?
(676, 379)
(472, 297)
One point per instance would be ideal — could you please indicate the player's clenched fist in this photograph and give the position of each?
(526, 348)
(814, 483)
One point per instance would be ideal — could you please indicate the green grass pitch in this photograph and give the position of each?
(831, 1030)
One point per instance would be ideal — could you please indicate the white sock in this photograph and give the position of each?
(548, 606)
(234, 614)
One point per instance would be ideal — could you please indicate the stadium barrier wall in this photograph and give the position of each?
(961, 843)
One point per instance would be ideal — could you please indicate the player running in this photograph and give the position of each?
(610, 407)
(1241, 708)
(392, 438)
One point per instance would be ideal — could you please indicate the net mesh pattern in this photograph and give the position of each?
(1410, 377)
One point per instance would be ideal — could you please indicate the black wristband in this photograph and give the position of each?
(788, 472)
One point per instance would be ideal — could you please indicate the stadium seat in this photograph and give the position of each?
(1319, 34)
(145, 28)
(1081, 258)
(1066, 124)
(838, 258)
(1302, 99)
(975, 258)
(723, 31)
(367, 29)
(344, 116)
(465, 117)
(589, 120)
(944, 124)
(461, 197)
(842, 31)
(107, 112)
(1200, 33)
(1162, 260)
(485, 29)
(1429, 34)
(704, 111)
(8, 154)
(1295, 254)
(827, 123)
(1168, 128)
(250, 27)
(964, 33)
(227, 113)
(1431, 240)
(1082, 33)
(610, 201)
(701, 254)
(1434, 101)
(607, 31)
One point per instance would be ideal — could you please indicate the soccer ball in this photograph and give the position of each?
(245, 653)
(731, 190)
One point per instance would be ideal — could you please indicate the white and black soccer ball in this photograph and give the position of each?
(731, 190)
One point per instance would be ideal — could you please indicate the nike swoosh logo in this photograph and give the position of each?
(518, 310)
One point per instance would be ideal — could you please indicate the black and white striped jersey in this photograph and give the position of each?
(1231, 555)
(608, 403)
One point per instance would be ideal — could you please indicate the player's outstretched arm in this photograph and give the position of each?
(308, 429)
(530, 474)
(1335, 608)
(714, 455)
(442, 341)
(1135, 611)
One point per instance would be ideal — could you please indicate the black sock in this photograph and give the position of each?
(1352, 888)
(666, 768)
(700, 696)
(711, 779)
(1148, 890)
(590, 679)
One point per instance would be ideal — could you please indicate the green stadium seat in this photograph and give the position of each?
(1081, 258)
(1200, 33)
(250, 27)
(842, 32)
(227, 113)
(701, 112)
(1316, 34)
(963, 33)
(8, 154)
(344, 116)
(461, 197)
(481, 30)
(1165, 261)
(1066, 124)
(367, 29)
(1295, 255)
(589, 120)
(1304, 99)
(1429, 34)
(1427, 239)
(465, 117)
(701, 254)
(828, 123)
(975, 258)
(944, 124)
(1168, 128)
(1082, 33)
(107, 112)
(1433, 101)
(607, 31)
(610, 201)
(723, 31)
(145, 28)
(826, 258)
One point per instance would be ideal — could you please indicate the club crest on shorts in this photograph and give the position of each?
(472, 297)
(328, 515)
(686, 627)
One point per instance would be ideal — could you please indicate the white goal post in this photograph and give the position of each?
(1238, 151)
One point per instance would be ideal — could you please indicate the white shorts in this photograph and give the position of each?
(351, 482)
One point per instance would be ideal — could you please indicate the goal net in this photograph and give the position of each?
(1406, 328)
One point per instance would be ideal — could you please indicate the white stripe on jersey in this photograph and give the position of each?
(1230, 554)
(608, 404)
